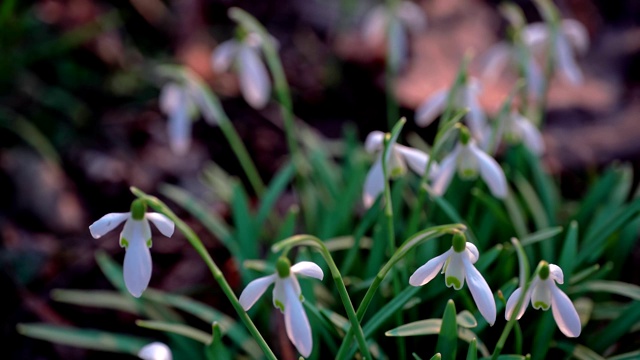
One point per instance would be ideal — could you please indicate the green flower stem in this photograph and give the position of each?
(197, 244)
(524, 269)
(552, 18)
(403, 250)
(280, 84)
(312, 241)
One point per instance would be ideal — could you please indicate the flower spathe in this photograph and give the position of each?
(155, 351)
(457, 265)
(469, 160)
(244, 54)
(399, 158)
(136, 239)
(544, 294)
(287, 297)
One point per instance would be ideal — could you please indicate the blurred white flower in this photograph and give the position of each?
(457, 265)
(155, 351)
(519, 129)
(404, 17)
(544, 294)
(136, 239)
(399, 157)
(469, 160)
(571, 37)
(288, 298)
(466, 97)
(244, 54)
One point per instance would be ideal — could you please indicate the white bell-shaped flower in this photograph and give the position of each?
(544, 294)
(287, 297)
(469, 160)
(570, 38)
(457, 265)
(155, 351)
(244, 55)
(136, 239)
(399, 158)
(466, 97)
(519, 129)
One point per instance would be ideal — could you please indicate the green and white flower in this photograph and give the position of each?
(544, 294)
(287, 297)
(457, 265)
(155, 351)
(136, 239)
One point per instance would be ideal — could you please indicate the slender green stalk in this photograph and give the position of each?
(391, 67)
(197, 244)
(402, 251)
(280, 85)
(313, 241)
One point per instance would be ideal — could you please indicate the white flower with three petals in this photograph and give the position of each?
(543, 293)
(155, 351)
(469, 160)
(399, 157)
(244, 55)
(457, 265)
(136, 239)
(466, 97)
(287, 297)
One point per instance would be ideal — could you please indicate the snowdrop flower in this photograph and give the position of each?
(381, 19)
(468, 159)
(244, 54)
(288, 298)
(520, 129)
(136, 239)
(457, 265)
(570, 35)
(155, 351)
(466, 96)
(544, 294)
(399, 157)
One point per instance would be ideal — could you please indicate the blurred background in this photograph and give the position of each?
(80, 123)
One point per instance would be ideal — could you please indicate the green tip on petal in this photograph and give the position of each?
(138, 209)
(283, 266)
(124, 242)
(459, 242)
(544, 271)
(541, 305)
(279, 305)
(465, 135)
(453, 281)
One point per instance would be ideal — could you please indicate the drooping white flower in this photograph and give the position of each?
(466, 97)
(519, 129)
(457, 265)
(287, 297)
(544, 294)
(399, 157)
(155, 351)
(136, 239)
(244, 55)
(469, 160)
(570, 37)
(395, 21)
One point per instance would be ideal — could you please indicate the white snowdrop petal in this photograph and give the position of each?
(455, 270)
(531, 136)
(472, 251)
(491, 172)
(428, 271)
(374, 142)
(412, 15)
(254, 291)
(254, 79)
(296, 322)
(162, 222)
(576, 34)
(431, 108)
(107, 223)
(223, 55)
(179, 126)
(476, 119)
(279, 294)
(308, 268)
(535, 35)
(566, 62)
(534, 78)
(555, 273)
(481, 292)
(494, 60)
(155, 351)
(513, 301)
(374, 183)
(443, 176)
(541, 294)
(137, 266)
(416, 159)
(375, 26)
(565, 313)
(170, 97)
